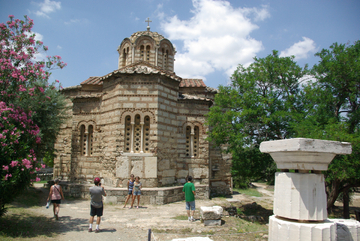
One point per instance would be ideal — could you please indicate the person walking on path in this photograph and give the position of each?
(55, 195)
(96, 204)
(130, 186)
(136, 191)
(189, 190)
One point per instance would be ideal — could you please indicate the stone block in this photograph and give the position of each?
(211, 213)
(137, 168)
(212, 222)
(150, 167)
(122, 167)
(304, 154)
(182, 173)
(300, 196)
(198, 172)
(347, 229)
(284, 230)
(168, 173)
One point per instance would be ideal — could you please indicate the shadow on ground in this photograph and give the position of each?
(27, 225)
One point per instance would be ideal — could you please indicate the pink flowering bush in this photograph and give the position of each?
(31, 109)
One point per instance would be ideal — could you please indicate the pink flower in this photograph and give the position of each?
(5, 168)
(37, 179)
(43, 166)
(13, 163)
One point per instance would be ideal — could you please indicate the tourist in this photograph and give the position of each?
(189, 190)
(55, 195)
(96, 204)
(130, 185)
(136, 191)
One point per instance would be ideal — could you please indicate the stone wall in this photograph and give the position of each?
(165, 164)
(155, 196)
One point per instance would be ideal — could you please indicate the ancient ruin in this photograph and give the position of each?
(299, 198)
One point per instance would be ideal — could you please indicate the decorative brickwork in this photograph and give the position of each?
(141, 119)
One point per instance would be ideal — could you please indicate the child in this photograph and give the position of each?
(136, 191)
(130, 186)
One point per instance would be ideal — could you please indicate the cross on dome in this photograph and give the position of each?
(148, 21)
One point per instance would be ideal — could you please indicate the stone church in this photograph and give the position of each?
(141, 119)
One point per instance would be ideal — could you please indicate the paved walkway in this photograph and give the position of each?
(133, 224)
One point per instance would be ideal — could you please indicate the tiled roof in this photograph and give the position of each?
(211, 90)
(192, 83)
(192, 97)
(96, 96)
(155, 35)
(140, 67)
(92, 81)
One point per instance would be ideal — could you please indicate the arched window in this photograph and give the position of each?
(148, 53)
(82, 140)
(86, 140)
(137, 134)
(188, 141)
(124, 56)
(90, 140)
(165, 58)
(192, 142)
(146, 134)
(142, 54)
(128, 134)
(196, 142)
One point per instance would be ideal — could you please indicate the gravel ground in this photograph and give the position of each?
(126, 224)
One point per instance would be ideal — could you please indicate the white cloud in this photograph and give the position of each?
(41, 55)
(48, 7)
(38, 37)
(216, 37)
(77, 21)
(58, 47)
(300, 49)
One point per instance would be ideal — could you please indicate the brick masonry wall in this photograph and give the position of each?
(157, 196)
(106, 109)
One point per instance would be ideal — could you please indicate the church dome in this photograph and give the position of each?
(147, 46)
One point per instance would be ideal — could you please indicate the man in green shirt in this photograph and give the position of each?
(189, 190)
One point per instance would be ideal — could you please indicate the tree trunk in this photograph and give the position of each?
(333, 194)
(346, 200)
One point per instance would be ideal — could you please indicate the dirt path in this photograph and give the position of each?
(133, 224)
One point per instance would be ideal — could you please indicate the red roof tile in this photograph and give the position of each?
(192, 83)
(92, 81)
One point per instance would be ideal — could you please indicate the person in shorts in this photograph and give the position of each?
(136, 191)
(96, 204)
(55, 195)
(130, 186)
(189, 190)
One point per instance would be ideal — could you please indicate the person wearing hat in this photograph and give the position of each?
(96, 204)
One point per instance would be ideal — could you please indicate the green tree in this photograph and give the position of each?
(260, 104)
(334, 114)
(31, 109)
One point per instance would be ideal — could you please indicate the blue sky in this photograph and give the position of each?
(211, 37)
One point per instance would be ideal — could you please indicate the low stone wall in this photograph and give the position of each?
(159, 196)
